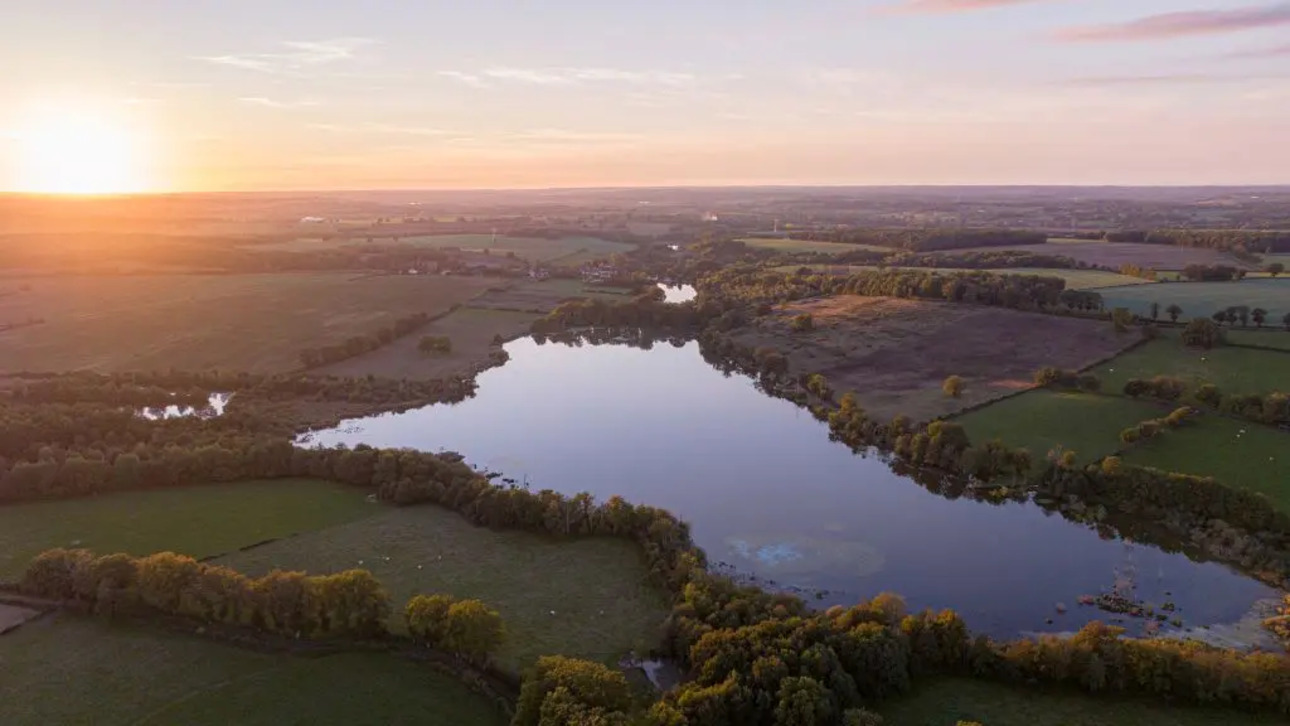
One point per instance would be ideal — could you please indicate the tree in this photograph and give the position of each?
(592, 684)
(1259, 315)
(1174, 311)
(1239, 312)
(1275, 268)
(953, 386)
(427, 618)
(1121, 318)
(474, 630)
(1286, 321)
(1219, 316)
(1202, 333)
(1155, 310)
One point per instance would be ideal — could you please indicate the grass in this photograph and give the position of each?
(256, 323)
(587, 597)
(1233, 370)
(1278, 338)
(1237, 453)
(1040, 420)
(798, 245)
(537, 249)
(946, 702)
(1202, 299)
(1075, 279)
(74, 671)
(200, 521)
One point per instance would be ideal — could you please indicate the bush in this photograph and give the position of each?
(557, 681)
(1202, 333)
(803, 323)
(953, 386)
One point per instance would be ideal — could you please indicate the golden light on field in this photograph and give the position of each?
(67, 149)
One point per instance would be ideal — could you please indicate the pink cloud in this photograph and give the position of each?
(952, 6)
(1180, 24)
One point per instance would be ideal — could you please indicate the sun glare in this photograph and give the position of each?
(74, 151)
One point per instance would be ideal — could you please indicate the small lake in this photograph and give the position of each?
(769, 494)
(677, 293)
(214, 407)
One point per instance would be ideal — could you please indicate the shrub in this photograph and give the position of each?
(953, 386)
(474, 631)
(427, 618)
(1202, 333)
(803, 323)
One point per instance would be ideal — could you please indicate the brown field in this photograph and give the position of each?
(1116, 254)
(255, 323)
(471, 331)
(895, 354)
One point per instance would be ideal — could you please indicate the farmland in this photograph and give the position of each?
(1232, 369)
(803, 246)
(949, 701)
(199, 521)
(1075, 279)
(588, 597)
(895, 354)
(535, 249)
(1043, 420)
(257, 323)
(1237, 453)
(1278, 339)
(78, 671)
(1202, 299)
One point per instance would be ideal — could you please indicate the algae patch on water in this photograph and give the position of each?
(799, 556)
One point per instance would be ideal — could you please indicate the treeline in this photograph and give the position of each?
(928, 240)
(360, 344)
(1051, 377)
(1270, 408)
(754, 287)
(1226, 240)
(1151, 428)
(1212, 273)
(90, 388)
(643, 311)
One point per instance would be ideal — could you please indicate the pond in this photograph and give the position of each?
(214, 407)
(677, 293)
(769, 494)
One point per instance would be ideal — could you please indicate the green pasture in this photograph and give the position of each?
(1041, 420)
(1202, 299)
(1232, 369)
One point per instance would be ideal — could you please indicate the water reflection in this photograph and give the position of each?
(677, 293)
(214, 407)
(768, 493)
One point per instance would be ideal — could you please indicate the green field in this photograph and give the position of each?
(200, 521)
(80, 671)
(586, 597)
(1279, 338)
(799, 245)
(1075, 279)
(1040, 420)
(946, 702)
(1233, 370)
(1202, 299)
(1237, 453)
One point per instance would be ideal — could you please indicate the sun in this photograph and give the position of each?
(69, 150)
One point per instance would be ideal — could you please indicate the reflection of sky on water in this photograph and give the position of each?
(759, 476)
(214, 407)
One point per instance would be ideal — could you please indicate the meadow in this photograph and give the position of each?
(945, 702)
(1232, 369)
(588, 598)
(801, 245)
(1237, 453)
(536, 249)
(1114, 255)
(200, 521)
(1278, 339)
(66, 670)
(257, 323)
(1042, 420)
(1202, 299)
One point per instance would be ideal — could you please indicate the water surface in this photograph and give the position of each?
(677, 293)
(767, 491)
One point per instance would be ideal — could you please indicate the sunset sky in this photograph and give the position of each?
(270, 94)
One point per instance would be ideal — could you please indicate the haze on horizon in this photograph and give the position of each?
(129, 95)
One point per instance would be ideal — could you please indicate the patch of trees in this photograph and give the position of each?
(1133, 270)
(953, 386)
(1052, 377)
(1202, 333)
(90, 388)
(1151, 428)
(560, 691)
(1226, 240)
(1161, 388)
(359, 344)
(1212, 273)
(351, 603)
(1274, 268)
(929, 240)
(1083, 300)
(467, 628)
(644, 311)
(1279, 624)
(1272, 408)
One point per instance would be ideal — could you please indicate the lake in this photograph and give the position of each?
(677, 293)
(769, 494)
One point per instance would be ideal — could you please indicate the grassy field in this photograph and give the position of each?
(946, 702)
(1233, 370)
(256, 323)
(798, 245)
(586, 598)
(1237, 453)
(74, 671)
(538, 249)
(1075, 279)
(1114, 255)
(198, 521)
(1040, 420)
(1202, 299)
(1279, 338)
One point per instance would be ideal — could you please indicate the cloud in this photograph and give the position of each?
(1274, 52)
(270, 103)
(1180, 24)
(1166, 79)
(299, 56)
(570, 76)
(951, 6)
